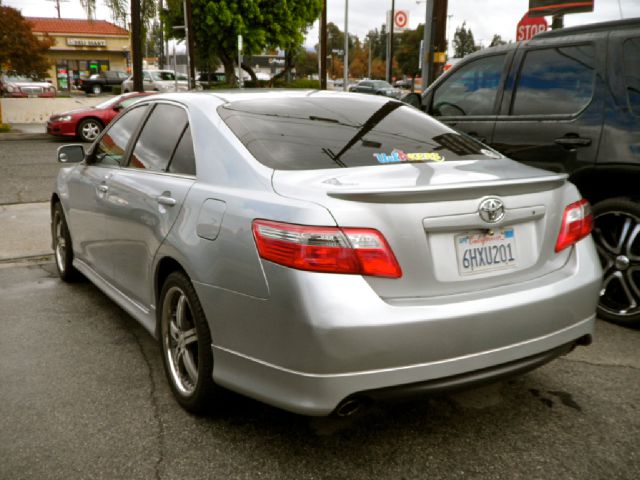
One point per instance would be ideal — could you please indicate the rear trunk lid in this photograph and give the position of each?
(431, 216)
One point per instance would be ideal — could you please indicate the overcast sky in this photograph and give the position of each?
(484, 17)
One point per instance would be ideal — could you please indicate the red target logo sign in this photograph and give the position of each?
(401, 19)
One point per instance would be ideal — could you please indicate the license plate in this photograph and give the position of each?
(479, 252)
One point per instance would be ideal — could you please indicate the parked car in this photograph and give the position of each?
(569, 101)
(102, 82)
(376, 87)
(87, 123)
(160, 81)
(316, 249)
(22, 86)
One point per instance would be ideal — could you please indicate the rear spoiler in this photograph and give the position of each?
(457, 191)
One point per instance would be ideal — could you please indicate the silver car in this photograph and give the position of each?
(316, 250)
(160, 81)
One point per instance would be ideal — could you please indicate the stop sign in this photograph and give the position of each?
(529, 27)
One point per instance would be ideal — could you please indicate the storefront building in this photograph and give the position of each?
(82, 47)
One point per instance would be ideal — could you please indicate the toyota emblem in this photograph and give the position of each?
(491, 210)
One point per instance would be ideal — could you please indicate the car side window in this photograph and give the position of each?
(159, 138)
(471, 90)
(112, 146)
(184, 159)
(631, 58)
(146, 77)
(556, 80)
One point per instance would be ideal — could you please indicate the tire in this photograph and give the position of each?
(616, 233)
(89, 129)
(96, 89)
(185, 342)
(62, 246)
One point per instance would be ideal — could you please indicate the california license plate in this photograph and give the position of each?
(479, 252)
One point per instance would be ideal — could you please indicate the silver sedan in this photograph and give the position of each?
(319, 250)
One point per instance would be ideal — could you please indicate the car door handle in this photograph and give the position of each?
(166, 200)
(573, 141)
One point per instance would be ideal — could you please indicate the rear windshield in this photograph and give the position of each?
(319, 132)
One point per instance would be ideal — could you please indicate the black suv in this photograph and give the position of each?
(568, 101)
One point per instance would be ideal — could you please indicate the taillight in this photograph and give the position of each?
(361, 251)
(577, 223)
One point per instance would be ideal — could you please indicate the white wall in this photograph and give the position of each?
(38, 110)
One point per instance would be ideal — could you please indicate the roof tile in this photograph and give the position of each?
(75, 26)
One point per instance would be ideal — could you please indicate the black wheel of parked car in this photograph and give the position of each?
(185, 341)
(89, 129)
(617, 235)
(96, 89)
(62, 246)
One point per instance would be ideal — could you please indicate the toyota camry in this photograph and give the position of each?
(319, 250)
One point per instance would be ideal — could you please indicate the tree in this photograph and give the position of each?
(497, 40)
(407, 52)
(20, 50)
(263, 24)
(463, 42)
(306, 63)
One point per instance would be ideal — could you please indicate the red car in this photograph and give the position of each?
(87, 123)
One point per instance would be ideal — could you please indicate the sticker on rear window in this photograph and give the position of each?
(398, 156)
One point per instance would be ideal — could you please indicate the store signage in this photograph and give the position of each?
(86, 42)
(401, 19)
(541, 8)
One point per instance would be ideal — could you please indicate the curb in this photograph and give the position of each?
(8, 136)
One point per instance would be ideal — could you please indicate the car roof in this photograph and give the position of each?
(559, 33)
(233, 95)
(589, 28)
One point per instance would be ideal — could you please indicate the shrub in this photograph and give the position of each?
(5, 127)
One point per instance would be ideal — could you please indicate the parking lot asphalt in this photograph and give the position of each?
(84, 396)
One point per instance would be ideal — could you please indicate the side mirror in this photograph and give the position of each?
(413, 99)
(70, 153)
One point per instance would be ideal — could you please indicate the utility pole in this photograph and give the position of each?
(136, 45)
(323, 47)
(57, 5)
(393, 21)
(161, 60)
(345, 85)
(427, 44)
(369, 73)
(191, 54)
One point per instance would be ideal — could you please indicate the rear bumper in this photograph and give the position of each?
(321, 338)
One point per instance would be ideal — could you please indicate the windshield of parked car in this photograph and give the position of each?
(381, 84)
(17, 78)
(318, 132)
(112, 101)
(160, 75)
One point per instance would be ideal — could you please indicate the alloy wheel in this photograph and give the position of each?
(60, 243)
(90, 130)
(180, 341)
(617, 237)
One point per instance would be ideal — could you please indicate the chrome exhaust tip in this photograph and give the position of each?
(348, 407)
